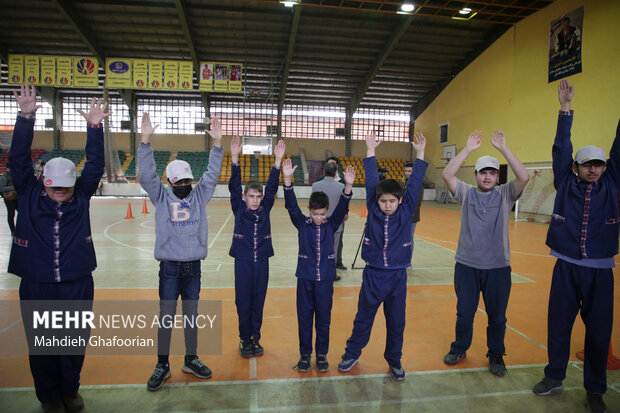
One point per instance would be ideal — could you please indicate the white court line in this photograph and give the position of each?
(221, 229)
(253, 369)
(520, 333)
(105, 232)
(13, 324)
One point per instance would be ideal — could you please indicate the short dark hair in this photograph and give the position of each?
(332, 158)
(318, 200)
(409, 164)
(330, 169)
(391, 187)
(253, 185)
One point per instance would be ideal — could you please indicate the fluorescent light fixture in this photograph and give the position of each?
(407, 7)
(465, 10)
(289, 3)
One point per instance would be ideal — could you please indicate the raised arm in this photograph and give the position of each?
(562, 152)
(271, 188)
(290, 201)
(95, 159)
(216, 132)
(370, 168)
(234, 183)
(416, 179)
(342, 208)
(449, 173)
(498, 140)
(20, 160)
(149, 180)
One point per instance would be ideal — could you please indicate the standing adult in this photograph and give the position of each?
(333, 189)
(10, 197)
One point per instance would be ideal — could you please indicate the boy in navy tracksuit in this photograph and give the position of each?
(583, 236)
(52, 250)
(316, 264)
(387, 252)
(251, 246)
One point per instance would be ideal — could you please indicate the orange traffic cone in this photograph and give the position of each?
(613, 363)
(363, 214)
(129, 214)
(144, 208)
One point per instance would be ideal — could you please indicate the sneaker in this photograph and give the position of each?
(321, 363)
(197, 368)
(245, 349)
(453, 358)
(257, 349)
(303, 364)
(596, 403)
(74, 403)
(347, 363)
(53, 407)
(496, 365)
(341, 267)
(338, 278)
(161, 373)
(398, 373)
(546, 386)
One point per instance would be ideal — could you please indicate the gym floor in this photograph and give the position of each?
(127, 271)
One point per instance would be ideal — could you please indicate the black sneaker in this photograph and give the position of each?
(596, 403)
(197, 368)
(321, 363)
(303, 364)
(453, 358)
(341, 267)
(257, 349)
(245, 349)
(338, 278)
(496, 365)
(161, 373)
(73, 403)
(546, 386)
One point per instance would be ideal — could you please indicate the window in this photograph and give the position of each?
(388, 125)
(443, 132)
(9, 109)
(313, 122)
(246, 119)
(173, 116)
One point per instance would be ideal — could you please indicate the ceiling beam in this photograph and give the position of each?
(289, 55)
(181, 7)
(80, 28)
(423, 103)
(383, 55)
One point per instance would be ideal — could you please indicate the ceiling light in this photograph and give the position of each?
(289, 3)
(465, 10)
(407, 7)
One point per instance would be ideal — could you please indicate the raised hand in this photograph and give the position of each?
(96, 113)
(280, 150)
(474, 141)
(235, 146)
(498, 140)
(27, 100)
(349, 175)
(216, 131)
(566, 91)
(288, 169)
(371, 141)
(147, 129)
(419, 142)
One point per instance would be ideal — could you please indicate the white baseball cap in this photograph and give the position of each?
(487, 162)
(590, 153)
(59, 172)
(177, 170)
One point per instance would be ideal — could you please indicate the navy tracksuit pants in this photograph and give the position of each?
(495, 286)
(390, 288)
(591, 290)
(251, 279)
(314, 303)
(56, 376)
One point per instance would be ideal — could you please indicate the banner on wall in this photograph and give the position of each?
(31, 70)
(171, 74)
(234, 78)
(48, 70)
(16, 69)
(205, 78)
(565, 34)
(140, 74)
(64, 71)
(118, 73)
(221, 77)
(186, 75)
(85, 72)
(156, 74)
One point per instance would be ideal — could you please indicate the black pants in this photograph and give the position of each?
(11, 207)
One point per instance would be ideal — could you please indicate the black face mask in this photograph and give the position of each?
(181, 191)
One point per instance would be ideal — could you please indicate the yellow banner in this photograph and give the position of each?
(16, 69)
(171, 74)
(234, 77)
(186, 75)
(156, 74)
(48, 70)
(31, 70)
(64, 69)
(221, 77)
(205, 77)
(85, 72)
(118, 73)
